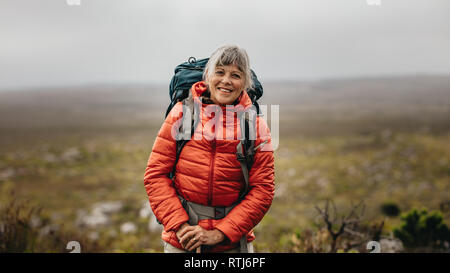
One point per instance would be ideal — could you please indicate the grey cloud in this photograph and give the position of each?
(48, 43)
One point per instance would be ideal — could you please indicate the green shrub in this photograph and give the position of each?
(19, 235)
(390, 209)
(16, 233)
(423, 229)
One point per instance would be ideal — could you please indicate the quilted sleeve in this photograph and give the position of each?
(160, 189)
(250, 211)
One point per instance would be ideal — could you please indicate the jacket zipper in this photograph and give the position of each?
(211, 172)
(211, 175)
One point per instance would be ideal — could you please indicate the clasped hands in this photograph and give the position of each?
(192, 237)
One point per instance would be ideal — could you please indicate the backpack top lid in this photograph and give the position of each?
(190, 72)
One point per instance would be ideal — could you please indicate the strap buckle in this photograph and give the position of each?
(240, 156)
(219, 213)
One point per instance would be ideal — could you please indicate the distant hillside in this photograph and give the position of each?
(421, 97)
(430, 90)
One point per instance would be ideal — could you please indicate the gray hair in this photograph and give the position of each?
(230, 55)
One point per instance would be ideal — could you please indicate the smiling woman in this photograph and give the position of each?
(216, 196)
(227, 74)
(226, 84)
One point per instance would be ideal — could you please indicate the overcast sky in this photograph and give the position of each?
(50, 43)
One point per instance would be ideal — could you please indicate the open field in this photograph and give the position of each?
(80, 154)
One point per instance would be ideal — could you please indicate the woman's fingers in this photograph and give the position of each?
(184, 240)
(191, 242)
(184, 230)
(194, 246)
(192, 238)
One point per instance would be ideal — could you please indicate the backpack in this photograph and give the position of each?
(190, 72)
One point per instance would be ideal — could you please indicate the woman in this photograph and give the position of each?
(207, 172)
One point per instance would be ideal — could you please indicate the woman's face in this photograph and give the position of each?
(226, 84)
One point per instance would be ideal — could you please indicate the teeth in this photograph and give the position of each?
(225, 90)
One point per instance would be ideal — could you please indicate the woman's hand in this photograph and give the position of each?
(192, 237)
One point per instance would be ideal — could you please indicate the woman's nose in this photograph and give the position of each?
(226, 79)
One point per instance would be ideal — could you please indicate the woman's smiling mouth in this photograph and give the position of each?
(225, 90)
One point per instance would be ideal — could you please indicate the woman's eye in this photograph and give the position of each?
(219, 72)
(237, 76)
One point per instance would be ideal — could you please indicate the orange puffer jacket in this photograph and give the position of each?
(208, 173)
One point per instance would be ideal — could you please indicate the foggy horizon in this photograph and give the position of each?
(51, 44)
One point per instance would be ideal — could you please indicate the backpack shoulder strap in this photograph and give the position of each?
(245, 151)
(190, 121)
